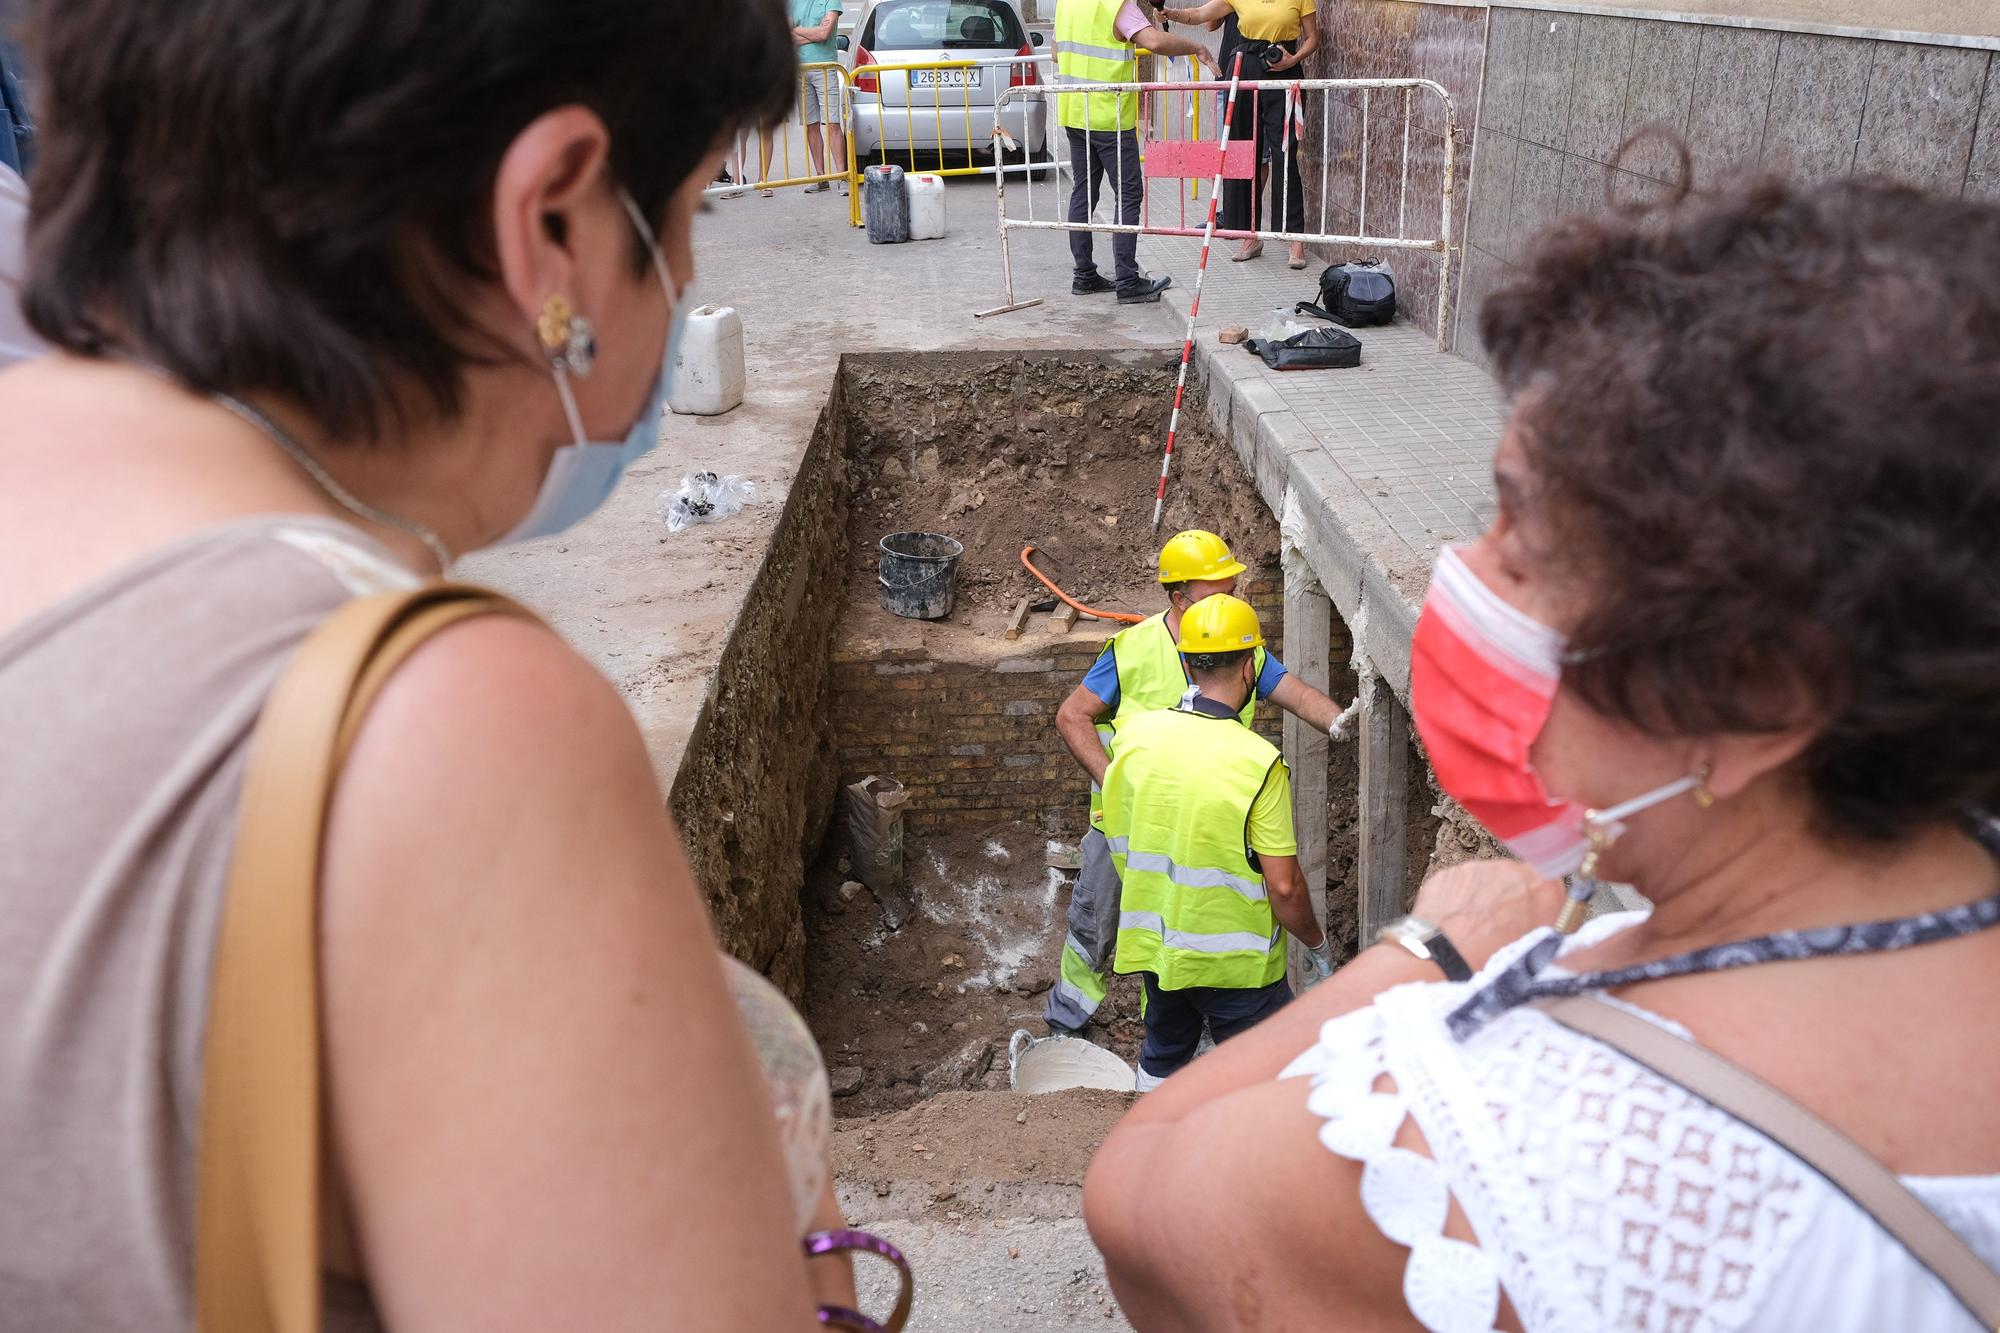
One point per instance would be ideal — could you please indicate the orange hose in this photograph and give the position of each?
(1090, 611)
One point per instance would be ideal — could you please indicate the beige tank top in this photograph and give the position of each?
(125, 717)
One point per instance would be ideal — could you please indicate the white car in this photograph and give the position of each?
(945, 114)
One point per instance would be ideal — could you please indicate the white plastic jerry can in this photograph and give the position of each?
(926, 207)
(708, 371)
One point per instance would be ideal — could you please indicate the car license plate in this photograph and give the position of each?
(944, 78)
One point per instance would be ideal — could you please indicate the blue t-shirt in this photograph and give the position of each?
(1102, 678)
(810, 14)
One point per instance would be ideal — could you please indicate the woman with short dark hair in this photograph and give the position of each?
(342, 289)
(1733, 638)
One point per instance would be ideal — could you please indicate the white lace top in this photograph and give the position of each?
(1603, 1196)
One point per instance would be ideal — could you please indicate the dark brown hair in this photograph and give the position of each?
(1764, 425)
(289, 196)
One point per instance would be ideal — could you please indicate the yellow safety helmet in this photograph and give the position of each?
(1197, 557)
(1220, 624)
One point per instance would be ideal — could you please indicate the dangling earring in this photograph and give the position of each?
(1703, 797)
(567, 337)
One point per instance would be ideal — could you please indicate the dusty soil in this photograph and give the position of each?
(1003, 453)
(965, 1140)
(928, 1009)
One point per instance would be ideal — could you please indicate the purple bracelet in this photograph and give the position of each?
(835, 1316)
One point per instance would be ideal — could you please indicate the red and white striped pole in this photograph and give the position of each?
(1194, 308)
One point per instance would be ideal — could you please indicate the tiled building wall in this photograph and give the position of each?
(1564, 90)
(1393, 39)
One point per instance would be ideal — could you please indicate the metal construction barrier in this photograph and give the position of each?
(1172, 145)
(925, 116)
(831, 85)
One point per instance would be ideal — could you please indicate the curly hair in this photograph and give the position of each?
(1764, 428)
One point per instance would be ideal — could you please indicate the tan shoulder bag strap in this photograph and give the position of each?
(1845, 1164)
(257, 1222)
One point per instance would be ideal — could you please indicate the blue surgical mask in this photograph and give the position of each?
(582, 475)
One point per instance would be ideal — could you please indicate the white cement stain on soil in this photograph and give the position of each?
(929, 1008)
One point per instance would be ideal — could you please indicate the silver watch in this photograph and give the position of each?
(1427, 941)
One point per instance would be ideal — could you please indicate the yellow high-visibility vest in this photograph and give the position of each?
(1150, 677)
(1193, 910)
(1088, 50)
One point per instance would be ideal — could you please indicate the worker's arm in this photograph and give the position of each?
(1304, 702)
(1212, 12)
(824, 28)
(1290, 902)
(1162, 43)
(1076, 723)
(1308, 43)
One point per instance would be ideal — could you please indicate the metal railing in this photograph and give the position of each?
(1195, 156)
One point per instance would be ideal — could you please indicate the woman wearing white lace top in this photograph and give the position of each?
(1739, 593)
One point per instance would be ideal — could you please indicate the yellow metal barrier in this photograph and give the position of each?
(967, 119)
(825, 75)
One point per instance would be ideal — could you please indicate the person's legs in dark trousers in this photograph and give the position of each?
(1087, 174)
(1288, 197)
(1119, 156)
(1173, 1030)
(1232, 1011)
(1240, 205)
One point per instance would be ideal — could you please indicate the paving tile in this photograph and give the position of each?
(1506, 68)
(1732, 94)
(1538, 199)
(1982, 177)
(1601, 84)
(1816, 103)
(1921, 114)
(1551, 69)
(1664, 57)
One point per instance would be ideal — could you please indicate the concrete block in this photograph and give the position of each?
(1024, 708)
(1545, 101)
(1507, 49)
(1280, 435)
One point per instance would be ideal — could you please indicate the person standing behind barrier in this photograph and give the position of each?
(1098, 41)
(1249, 26)
(821, 105)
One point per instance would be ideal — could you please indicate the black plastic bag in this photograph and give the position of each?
(1315, 349)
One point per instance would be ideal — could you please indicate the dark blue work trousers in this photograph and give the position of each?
(1092, 157)
(1174, 1019)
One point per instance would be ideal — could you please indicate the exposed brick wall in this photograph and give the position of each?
(976, 743)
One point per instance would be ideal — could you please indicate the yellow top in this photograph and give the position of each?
(1271, 20)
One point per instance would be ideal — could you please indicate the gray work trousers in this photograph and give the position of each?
(1093, 937)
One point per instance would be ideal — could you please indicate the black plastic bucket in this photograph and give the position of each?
(885, 205)
(919, 574)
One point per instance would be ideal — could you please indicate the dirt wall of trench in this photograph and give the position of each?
(756, 788)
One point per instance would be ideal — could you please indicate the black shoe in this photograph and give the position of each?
(1143, 291)
(1091, 285)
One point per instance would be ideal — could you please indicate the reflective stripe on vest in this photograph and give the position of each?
(1177, 802)
(1088, 51)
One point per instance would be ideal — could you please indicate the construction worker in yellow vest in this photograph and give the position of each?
(1198, 816)
(1097, 42)
(1140, 671)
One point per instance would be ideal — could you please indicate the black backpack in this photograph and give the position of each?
(1357, 294)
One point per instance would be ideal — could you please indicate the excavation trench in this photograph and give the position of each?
(820, 687)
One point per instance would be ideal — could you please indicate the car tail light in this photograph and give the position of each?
(1027, 75)
(865, 83)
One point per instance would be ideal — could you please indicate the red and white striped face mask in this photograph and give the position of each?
(1483, 676)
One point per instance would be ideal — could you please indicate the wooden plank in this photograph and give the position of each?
(1019, 620)
(1308, 640)
(1065, 618)
(1385, 781)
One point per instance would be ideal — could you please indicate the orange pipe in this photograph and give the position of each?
(1091, 611)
